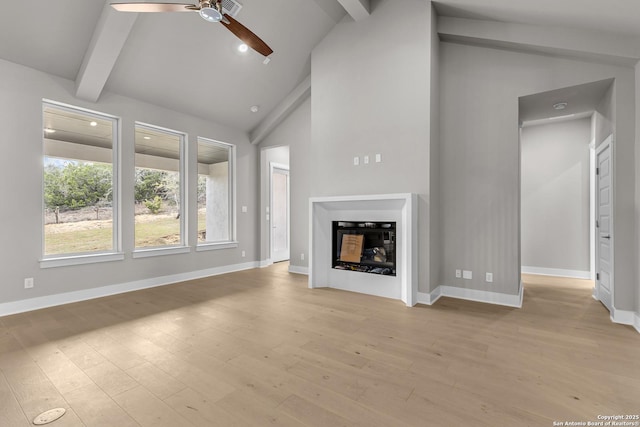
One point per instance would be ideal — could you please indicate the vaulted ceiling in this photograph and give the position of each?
(184, 63)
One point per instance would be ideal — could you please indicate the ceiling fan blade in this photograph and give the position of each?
(153, 7)
(244, 34)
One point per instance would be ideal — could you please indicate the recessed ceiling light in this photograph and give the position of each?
(560, 106)
(94, 124)
(49, 130)
(147, 137)
(254, 108)
(243, 48)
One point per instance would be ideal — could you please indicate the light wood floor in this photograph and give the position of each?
(259, 348)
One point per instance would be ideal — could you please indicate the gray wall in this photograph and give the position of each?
(295, 132)
(637, 204)
(479, 160)
(371, 83)
(21, 93)
(555, 195)
(435, 211)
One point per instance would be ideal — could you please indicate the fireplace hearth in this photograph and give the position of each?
(365, 247)
(369, 223)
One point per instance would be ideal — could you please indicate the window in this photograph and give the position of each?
(159, 184)
(80, 191)
(216, 162)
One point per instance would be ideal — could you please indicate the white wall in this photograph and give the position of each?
(479, 160)
(371, 83)
(217, 188)
(555, 196)
(21, 93)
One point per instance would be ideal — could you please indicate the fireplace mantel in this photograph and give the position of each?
(400, 208)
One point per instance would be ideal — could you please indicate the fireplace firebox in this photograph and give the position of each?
(364, 246)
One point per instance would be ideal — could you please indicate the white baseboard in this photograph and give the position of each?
(298, 270)
(429, 298)
(558, 272)
(472, 295)
(37, 303)
(636, 322)
(265, 263)
(624, 317)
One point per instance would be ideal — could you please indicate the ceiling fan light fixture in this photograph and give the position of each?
(211, 14)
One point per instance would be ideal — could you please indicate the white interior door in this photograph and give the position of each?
(279, 213)
(604, 226)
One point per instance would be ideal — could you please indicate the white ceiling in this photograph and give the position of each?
(181, 62)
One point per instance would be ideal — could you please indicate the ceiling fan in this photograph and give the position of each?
(210, 10)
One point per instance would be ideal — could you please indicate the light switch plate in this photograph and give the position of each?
(366, 160)
(458, 274)
(489, 277)
(467, 274)
(244, 209)
(378, 158)
(356, 161)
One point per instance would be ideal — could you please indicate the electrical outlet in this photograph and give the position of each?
(366, 160)
(302, 256)
(378, 158)
(244, 209)
(244, 254)
(458, 274)
(28, 283)
(489, 277)
(356, 161)
(467, 274)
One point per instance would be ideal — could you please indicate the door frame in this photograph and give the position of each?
(273, 166)
(607, 143)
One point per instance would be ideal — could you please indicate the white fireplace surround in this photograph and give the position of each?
(399, 208)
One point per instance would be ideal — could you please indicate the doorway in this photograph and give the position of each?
(565, 206)
(275, 201)
(280, 212)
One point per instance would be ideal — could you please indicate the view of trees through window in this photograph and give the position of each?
(78, 185)
(158, 193)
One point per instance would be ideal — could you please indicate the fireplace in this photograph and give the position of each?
(365, 247)
(370, 222)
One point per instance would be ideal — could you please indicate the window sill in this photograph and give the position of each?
(170, 250)
(64, 261)
(214, 246)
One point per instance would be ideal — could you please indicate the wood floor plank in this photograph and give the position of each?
(148, 410)
(10, 410)
(155, 380)
(96, 409)
(196, 408)
(110, 378)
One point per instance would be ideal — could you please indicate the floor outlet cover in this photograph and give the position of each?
(49, 416)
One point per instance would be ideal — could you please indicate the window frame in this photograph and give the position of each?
(183, 246)
(232, 241)
(116, 253)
